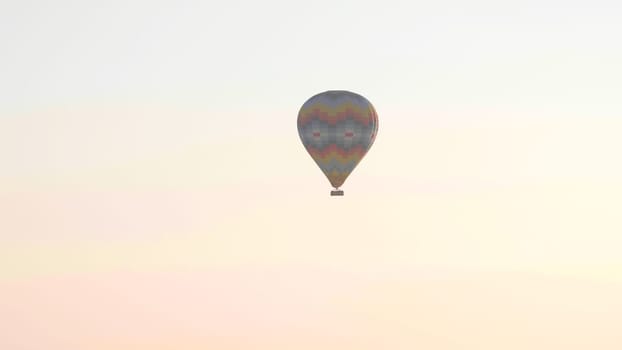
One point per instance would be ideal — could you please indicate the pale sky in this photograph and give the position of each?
(154, 193)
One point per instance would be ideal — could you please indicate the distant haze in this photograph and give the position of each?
(154, 193)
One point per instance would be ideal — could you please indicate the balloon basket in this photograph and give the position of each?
(336, 193)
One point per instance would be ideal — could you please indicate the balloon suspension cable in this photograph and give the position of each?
(336, 192)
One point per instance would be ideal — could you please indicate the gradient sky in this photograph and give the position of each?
(154, 193)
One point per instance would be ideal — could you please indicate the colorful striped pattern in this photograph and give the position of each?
(337, 128)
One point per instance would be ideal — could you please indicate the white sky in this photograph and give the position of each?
(172, 73)
(234, 55)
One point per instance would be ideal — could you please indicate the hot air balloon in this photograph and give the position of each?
(337, 128)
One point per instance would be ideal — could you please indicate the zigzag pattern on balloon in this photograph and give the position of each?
(341, 167)
(334, 152)
(337, 128)
(346, 134)
(336, 177)
(333, 115)
(337, 163)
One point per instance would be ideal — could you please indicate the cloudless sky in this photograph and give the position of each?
(154, 193)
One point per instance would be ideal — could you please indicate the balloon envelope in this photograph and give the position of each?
(337, 128)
